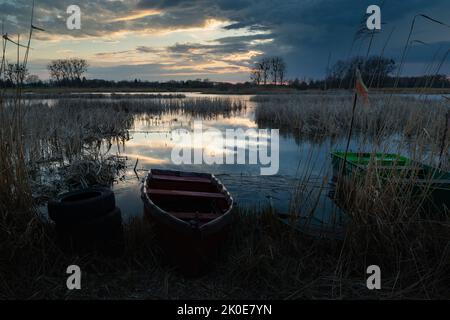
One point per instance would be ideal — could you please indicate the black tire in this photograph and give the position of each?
(103, 235)
(81, 205)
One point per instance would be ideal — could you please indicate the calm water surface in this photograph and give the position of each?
(151, 146)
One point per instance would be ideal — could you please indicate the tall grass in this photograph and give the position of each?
(392, 225)
(22, 234)
(329, 116)
(389, 222)
(15, 199)
(64, 128)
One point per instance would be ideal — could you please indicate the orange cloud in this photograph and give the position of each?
(137, 15)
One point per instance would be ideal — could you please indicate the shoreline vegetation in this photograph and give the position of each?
(231, 91)
(262, 259)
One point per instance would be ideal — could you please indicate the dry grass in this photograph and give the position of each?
(68, 124)
(319, 116)
(263, 259)
(96, 96)
(392, 226)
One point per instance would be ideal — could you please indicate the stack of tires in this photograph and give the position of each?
(88, 221)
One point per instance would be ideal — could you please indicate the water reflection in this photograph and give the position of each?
(151, 144)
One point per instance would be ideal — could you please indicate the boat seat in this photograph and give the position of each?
(180, 179)
(398, 168)
(183, 193)
(195, 215)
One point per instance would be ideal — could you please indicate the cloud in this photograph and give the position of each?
(137, 15)
(158, 72)
(304, 32)
(220, 56)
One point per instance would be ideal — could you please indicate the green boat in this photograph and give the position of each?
(432, 181)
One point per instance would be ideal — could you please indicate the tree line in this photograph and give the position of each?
(15, 73)
(67, 71)
(61, 71)
(377, 72)
(271, 70)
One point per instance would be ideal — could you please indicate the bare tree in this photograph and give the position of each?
(67, 70)
(260, 72)
(278, 70)
(273, 68)
(16, 73)
(32, 79)
(265, 68)
(56, 70)
(274, 64)
(282, 71)
(256, 75)
(79, 67)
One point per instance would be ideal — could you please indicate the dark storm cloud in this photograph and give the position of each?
(228, 45)
(307, 32)
(52, 16)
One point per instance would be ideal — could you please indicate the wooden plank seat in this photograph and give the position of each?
(432, 181)
(183, 193)
(159, 177)
(398, 168)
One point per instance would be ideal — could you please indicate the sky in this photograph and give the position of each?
(220, 40)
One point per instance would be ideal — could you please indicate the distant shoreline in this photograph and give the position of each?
(246, 91)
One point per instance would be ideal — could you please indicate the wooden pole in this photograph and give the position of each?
(355, 99)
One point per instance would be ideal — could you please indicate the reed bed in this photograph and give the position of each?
(114, 96)
(77, 121)
(319, 116)
(20, 230)
(392, 225)
(66, 127)
(62, 139)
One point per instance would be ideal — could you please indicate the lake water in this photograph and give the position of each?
(151, 145)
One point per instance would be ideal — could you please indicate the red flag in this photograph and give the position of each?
(360, 87)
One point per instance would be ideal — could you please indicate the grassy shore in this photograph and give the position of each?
(262, 259)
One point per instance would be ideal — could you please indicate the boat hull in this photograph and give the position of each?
(429, 181)
(192, 249)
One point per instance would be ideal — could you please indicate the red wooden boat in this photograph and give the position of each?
(192, 216)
